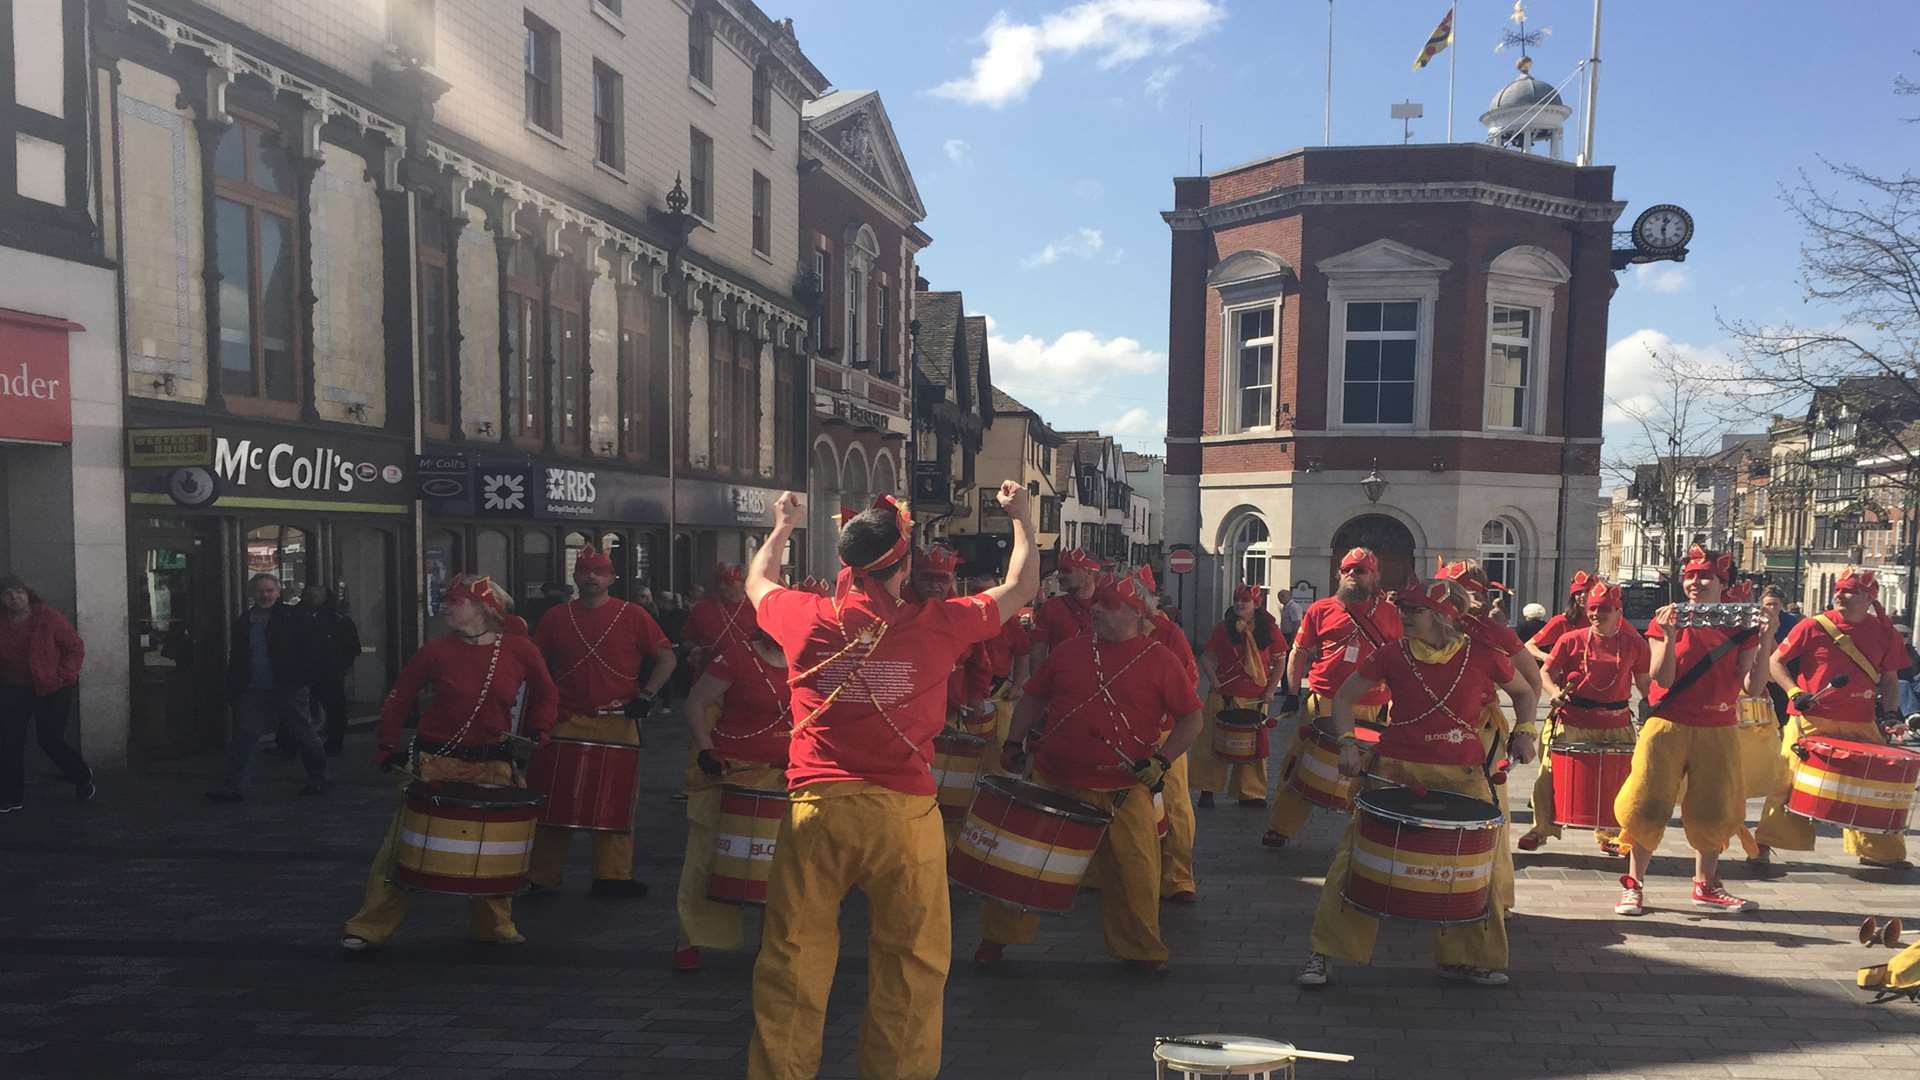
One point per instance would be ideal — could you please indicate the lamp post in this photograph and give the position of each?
(679, 225)
(1373, 484)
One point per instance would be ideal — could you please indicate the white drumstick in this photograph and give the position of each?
(1320, 1055)
(1257, 1048)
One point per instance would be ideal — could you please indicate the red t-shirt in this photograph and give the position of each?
(1230, 667)
(1820, 660)
(1556, 627)
(1013, 640)
(836, 644)
(755, 722)
(1062, 618)
(1337, 646)
(1167, 633)
(972, 677)
(1497, 636)
(1123, 693)
(1418, 729)
(717, 627)
(1711, 701)
(457, 670)
(596, 653)
(1597, 668)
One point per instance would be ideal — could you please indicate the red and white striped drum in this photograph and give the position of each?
(1316, 771)
(743, 844)
(1859, 785)
(588, 784)
(465, 839)
(957, 761)
(1586, 777)
(1025, 846)
(1236, 736)
(1427, 857)
(982, 723)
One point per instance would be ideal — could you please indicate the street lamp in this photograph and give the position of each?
(679, 225)
(1373, 483)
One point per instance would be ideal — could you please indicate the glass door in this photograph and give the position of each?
(177, 629)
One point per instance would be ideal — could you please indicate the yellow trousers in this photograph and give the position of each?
(838, 837)
(1543, 808)
(1696, 767)
(1789, 831)
(384, 904)
(1176, 851)
(1129, 858)
(1493, 732)
(1346, 933)
(1290, 808)
(1247, 780)
(1002, 720)
(612, 851)
(706, 923)
(1900, 973)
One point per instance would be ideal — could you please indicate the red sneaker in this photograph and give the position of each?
(1711, 894)
(1633, 901)
(1531, 841)
(687, 959)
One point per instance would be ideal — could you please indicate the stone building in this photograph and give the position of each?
(952, 410)
(1019, 445)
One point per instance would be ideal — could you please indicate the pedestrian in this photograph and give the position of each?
(270, 664)
(1774, 599)
(40, 658)
(1533, 618)
(336, 644)
(552, 594)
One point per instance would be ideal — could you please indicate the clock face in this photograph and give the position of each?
(1663, 228)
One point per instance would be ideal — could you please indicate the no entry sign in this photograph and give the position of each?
(1180, 562)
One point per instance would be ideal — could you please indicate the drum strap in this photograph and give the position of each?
(1440, 700)
(1845, 644)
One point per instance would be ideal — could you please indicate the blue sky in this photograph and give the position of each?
(1044, 136)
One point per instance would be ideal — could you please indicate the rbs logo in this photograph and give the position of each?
(570, 485)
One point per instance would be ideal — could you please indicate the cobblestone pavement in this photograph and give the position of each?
(150, 933)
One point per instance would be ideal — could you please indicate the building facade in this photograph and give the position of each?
(1017, 446)
(1147, 495)
(1095, 515)
(952, 411)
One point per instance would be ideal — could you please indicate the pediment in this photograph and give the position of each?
(855, 123)
(1528, 261)
(1250, 267)
(1383, 257)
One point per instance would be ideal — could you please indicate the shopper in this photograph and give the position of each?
(40, 658)
(336, 643)
(270, 664)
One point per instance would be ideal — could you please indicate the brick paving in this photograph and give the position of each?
(150, 934)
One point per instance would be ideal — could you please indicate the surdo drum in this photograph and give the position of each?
(1316, 772)
(1025, 846)
(1858, 785)
(957, 761)
(1758, 733)
(465, 839)
(981, 723)
(1426, 857)
(1236, 736)
(743, 844)
(1586, 777)
(588, 784)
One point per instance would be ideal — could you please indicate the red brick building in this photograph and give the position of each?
(1437, 313)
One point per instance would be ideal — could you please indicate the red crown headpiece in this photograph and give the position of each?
(1362, 558)
(1854, 579)
(937, 561)
(1076, 559)
(1700, 561)
(1432, 595)
(1461, 573)
(1582, 581)
(1147, 579)
(477, 589)
(1739, 592)
(900, 546)
(1604, 596)
(1128, 591)
(729, 574)
(592, 560)
(1244, 593)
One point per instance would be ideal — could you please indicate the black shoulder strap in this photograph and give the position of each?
(1700, 667)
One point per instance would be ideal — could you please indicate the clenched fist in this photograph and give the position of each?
(1012, 498)
(789, 511)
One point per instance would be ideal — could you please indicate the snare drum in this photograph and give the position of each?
(981, 722)
(1316, 772)
(1586, 777)
(743, 844)
(1236, 736)
(1216, 1054)
(1427, 857)
(465, 839)
(1858, 785)
(1025, 846)
(588, 784)
(957, 759)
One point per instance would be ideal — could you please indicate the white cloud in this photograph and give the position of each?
(1070, 362)
(1661, 278)
(958, 151)
(1083, 244)
(1135, 421)
(1115, 31)
(1159, 81)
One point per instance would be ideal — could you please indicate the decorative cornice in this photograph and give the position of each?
(1287, 199)
(904, 214)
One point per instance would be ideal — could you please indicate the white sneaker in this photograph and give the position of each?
(355, 943)
(1317, 971)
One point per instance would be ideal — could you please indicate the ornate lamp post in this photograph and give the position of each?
(679, 225)
(1373, 484)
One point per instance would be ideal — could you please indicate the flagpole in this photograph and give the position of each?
(1453, 62)
(1327, 123)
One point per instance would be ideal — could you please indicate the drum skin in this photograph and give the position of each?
(1859, 785)
(1024, 845)
(957, 760)
(1236, 736)
(588, 784)
(465, 839)
(1427, 858)
(1316, 772)
(743, 844)
(1586, 777)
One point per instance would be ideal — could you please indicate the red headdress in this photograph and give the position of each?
(1604, 596)
(1462, 575)
(1147, 579)
(1432, 595)
(728, 574)
(1739, 592)
(1582, 581)
(1076, 559)
(1127, 591)
(1244, 593)
(1701, 561)
(477, 589)
(900, 546)
(937, 561)
(1854, 579)
(592, 560)
(1362, 558)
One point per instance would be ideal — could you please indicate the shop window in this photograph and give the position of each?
(567, 344)
(437, 320)
(492, 557)
(253, 210)
(570, 548)
(1500, 558)
(280, 550)
(720, 412)
(524, 337)
(440, 560)
(763, 99)
(643, 560)
(1249, 551)
(636, 316)
(746, 401)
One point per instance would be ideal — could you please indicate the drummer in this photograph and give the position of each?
(1440, 677)
(597, 646)
(721, 620)
(868, 681)
(1573, 618)
(1853, 638)
(1009, 657)
(1336, 634)
(1246, 659)
(1689, 741)
(738, 714)
(1177, 882)
(1590, 679)
(1095, 725)
(475, 673)
(1069, 614)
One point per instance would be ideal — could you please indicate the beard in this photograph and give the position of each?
(1353, 592)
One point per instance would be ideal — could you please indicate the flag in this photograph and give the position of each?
(1437, 41)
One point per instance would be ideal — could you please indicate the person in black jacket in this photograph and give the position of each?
(270, 664)
(336, 646)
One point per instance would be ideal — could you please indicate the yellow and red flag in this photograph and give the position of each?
(1437, 41)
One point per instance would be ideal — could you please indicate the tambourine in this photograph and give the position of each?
(1719, 616)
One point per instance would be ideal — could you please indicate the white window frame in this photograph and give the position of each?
(1526, 277)
(1246, 553)
(1420, 335)
(1232, 422)
(1530, 373)
(1505, 553)
(1382, 271)
(862, 250)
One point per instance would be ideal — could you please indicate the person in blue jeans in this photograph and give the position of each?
(270, 664)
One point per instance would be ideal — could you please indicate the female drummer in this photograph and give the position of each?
(1573, 618)
(1439, 677)
(1590, 678)
(746, 745)
(1246, 658)
(475, 673)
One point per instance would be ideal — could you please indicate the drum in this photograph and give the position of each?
(1425, 857)
(1025, 846)
(743, 844)
(1758, 733)
(588, 784)
(1316, 772)
(465, 839)
(1217, 1054)
(1160, 814)
(1586, 777)
(1236, 736)
(957, 761)
(979, 723)
(1859, 785)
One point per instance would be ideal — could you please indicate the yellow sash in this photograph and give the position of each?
(1845, 644)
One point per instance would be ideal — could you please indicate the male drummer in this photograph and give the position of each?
(869, 673)
(1854, 639)
(1069, 614)
(1337, 633)
(1094, 722)
(597, 646)
(1689, 741)
(722, 620)
(1177, 882)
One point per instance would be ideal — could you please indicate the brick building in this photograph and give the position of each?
(1430, 318)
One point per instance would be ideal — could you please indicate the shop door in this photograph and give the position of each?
(367, 583)
(178, 644)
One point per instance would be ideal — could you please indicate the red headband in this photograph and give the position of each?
(1581, 582)
(477, 589)
(937, 561)
(729, 574)
(1244, 593)
(900, 546)
(1124, 592)
(591, 559)
(1433, 595)
(1738, 593)
(1854, 579)
(1699, 561)
(1362, 558)
(1602, 596)
(1076, 559)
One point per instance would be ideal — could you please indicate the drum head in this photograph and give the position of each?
(1046, 800)
(1625, 749)
(473, 796)
(1236, 1051)
(1444, 809)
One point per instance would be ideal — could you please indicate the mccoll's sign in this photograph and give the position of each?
(283, 465)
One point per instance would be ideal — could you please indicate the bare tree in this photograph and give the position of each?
(1670, 461)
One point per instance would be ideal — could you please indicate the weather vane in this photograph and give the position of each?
(1521, 38)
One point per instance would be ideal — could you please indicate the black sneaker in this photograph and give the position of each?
(619, 888)
(1254, 802)
(222, 796)
(86, 789)
(1206, 800)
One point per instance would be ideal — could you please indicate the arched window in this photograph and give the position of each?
(1249, 552)
(863, 254)
(1500, 557)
